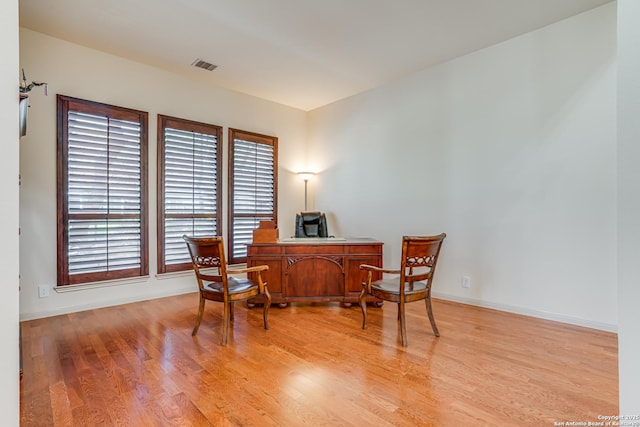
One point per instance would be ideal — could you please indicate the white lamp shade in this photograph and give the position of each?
(306, 175)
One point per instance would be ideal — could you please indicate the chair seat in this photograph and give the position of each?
(391, 286)
(391, 289)
(236, 286)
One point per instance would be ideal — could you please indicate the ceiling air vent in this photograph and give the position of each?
(204, 65)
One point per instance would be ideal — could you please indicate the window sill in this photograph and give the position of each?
(96, 285)
(173, 274)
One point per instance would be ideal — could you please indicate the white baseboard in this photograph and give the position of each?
(529, 312)
(102, 304)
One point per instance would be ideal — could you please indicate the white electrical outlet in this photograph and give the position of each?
(466, 281)
(43, 291)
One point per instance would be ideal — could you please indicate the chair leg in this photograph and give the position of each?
(427, 302)
(363, 307)
(225, 323)
(267, 304)
(231, 309)
(199, 317)
(403, 327)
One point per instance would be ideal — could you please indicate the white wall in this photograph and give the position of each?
(9, 264)
(510, 150)
(84, 73)
(629, 205)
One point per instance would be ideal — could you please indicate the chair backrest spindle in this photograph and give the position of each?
(207, 254)
(419, 257)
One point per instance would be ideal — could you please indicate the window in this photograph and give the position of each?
(102, 192)
(188, 187)
(253, 166)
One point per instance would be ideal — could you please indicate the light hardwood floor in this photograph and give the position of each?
(137, 365)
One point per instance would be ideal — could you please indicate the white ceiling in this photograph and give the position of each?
(300, 53)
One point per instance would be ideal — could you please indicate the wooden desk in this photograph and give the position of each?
(313, 270)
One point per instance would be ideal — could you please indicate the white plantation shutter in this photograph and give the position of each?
(190, 195)
(103, 193)
(253, 188)
(103, 226)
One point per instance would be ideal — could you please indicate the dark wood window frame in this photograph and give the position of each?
(198, 211)
(235, 238)
(123, 213)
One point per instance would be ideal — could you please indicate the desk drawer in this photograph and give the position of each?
(264, 249)
(366, 249)
(315, 250)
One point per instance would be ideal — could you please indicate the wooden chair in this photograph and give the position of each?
(216, 283)
(417, 266)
